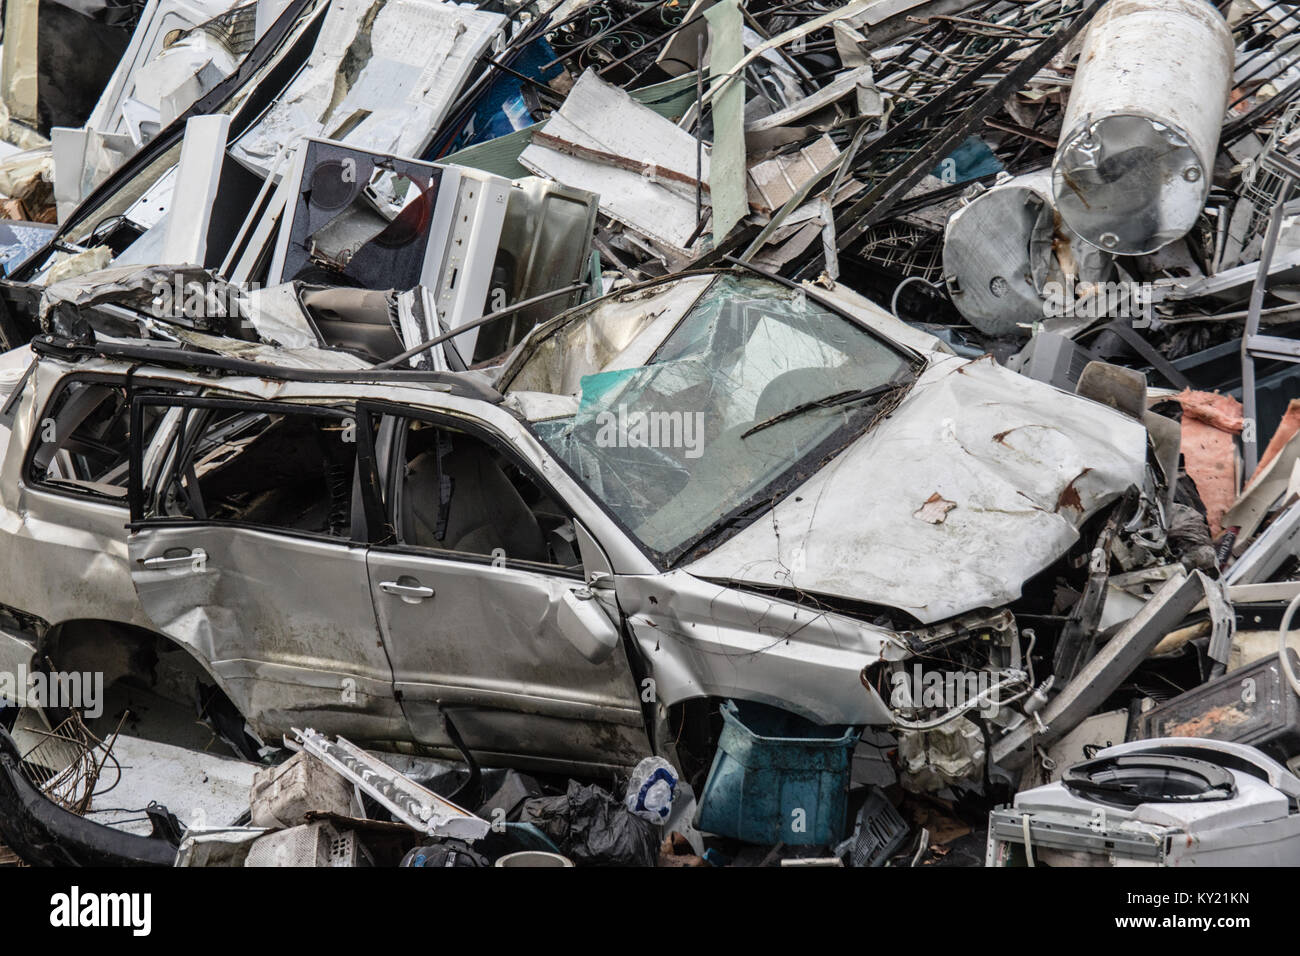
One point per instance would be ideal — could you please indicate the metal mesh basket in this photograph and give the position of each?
(65, 763)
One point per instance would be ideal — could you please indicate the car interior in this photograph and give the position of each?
(293, 471)
(461, 494)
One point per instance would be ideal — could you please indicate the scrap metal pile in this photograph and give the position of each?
(830, 433)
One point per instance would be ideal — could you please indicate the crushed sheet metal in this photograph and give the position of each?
(703, 639)
(67, 265)
(1025, 463)
(321, 360)
(382, 76)
(837, 89)
(653, 198)
(1264, 555)
(1108, 668)
(278, 318)
(853, 8)
(1286, 430)
(1269, 483)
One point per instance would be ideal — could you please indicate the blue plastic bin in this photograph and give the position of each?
(777, 778)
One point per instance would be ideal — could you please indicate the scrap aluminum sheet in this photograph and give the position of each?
(382, 76)
(1016, 466)
(642, 166)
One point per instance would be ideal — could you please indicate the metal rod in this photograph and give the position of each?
(699, 127)
(1249, 438)
(490, 317)
(653, 42)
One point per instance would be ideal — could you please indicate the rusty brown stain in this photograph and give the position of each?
(1069, 496)
(935, 509)
(1074, 187)
(1061, 245)
(961, 369)
(1205, 725)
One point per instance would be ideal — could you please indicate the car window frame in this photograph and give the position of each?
(347, 408)
(392, 473)
(124, 379)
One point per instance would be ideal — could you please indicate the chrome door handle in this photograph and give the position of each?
(406, 591)
(194, 559)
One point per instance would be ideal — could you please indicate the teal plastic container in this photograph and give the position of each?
(777, 778)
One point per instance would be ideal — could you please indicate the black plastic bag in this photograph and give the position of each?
(593, 828)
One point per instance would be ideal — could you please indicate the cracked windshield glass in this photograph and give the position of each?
(740, 400)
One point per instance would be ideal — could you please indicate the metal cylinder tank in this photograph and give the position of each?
(1141, 129)
(1004, 246)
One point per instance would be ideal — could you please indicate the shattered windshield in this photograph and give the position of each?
(725, 415)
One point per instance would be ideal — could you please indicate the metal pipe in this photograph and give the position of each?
(490, 317)
(1141, 128)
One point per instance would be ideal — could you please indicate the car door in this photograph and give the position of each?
(247, 542)
(472, 591)
(66, 476)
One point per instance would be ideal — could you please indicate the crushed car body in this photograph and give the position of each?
(198, 568)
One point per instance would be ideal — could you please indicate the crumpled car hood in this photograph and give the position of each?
(977, 481)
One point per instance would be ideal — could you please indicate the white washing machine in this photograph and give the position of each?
(1172, 801)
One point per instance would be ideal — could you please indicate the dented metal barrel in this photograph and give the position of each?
(1141, 129)
(1007, 258)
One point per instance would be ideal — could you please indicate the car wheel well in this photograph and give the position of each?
(147, 660)
(693, 727)
(114, 649)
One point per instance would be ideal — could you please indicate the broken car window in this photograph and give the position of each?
(293, 470)
(81, 441)
(754, 380)
(460, 494)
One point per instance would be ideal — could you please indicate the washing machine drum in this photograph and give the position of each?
(1132, 779)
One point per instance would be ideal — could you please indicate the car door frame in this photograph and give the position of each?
(364, 706)
(498, 429)
(49, 543)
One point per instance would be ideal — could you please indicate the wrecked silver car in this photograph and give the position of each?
(644, 507)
